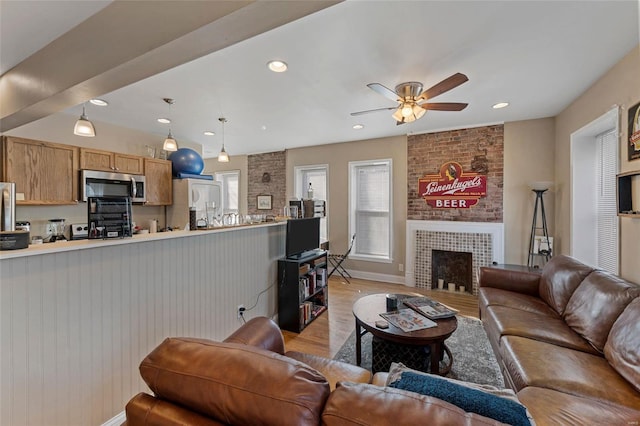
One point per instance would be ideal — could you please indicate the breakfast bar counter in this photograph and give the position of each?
(78, 317)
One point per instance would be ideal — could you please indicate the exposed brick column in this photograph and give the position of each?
(427, 152)
(273, 163)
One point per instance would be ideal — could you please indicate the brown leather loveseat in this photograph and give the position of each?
(249, 380)
(567, 341)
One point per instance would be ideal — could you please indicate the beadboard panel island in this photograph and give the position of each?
(76, 322)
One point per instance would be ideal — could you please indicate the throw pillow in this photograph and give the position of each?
(498, 404)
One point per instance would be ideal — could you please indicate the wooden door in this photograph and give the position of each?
(96, 159)
(128, 164)
(44, 172)
(158, 182)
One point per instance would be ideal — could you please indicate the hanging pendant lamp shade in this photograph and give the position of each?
(170, 143)
(223, 157)
(83, 126)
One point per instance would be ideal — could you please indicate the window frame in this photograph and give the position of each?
(225, 208)
(300, 191)
(353, 168)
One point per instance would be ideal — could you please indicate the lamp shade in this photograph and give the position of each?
(223, 157)
(83, 126)
(170, 143)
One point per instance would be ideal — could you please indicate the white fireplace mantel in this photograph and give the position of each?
(495, 229)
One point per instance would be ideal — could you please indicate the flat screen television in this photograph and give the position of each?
(302, 235)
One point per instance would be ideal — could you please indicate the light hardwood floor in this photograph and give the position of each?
(326, 335)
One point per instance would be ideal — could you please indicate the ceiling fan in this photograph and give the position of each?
(409, 96)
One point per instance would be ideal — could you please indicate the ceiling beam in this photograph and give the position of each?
(129, 41)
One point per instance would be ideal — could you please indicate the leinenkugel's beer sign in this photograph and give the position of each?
(452, 188)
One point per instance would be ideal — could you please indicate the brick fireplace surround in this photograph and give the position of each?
(485, 241)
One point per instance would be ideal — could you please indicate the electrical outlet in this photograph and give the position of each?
(240, 310)
(401, 267)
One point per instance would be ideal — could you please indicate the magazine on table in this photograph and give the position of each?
(430, 308)
(408, 320)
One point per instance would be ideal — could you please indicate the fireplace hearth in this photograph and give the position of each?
(452, 267)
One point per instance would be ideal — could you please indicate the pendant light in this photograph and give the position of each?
(170, 143)
(83, 126)
(223, 157)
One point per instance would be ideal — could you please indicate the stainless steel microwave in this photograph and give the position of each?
(94, 183)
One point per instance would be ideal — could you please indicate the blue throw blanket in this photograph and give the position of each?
(468, 399)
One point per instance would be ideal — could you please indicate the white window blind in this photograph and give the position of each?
(607, 218)
(370, 209)
(230, 190)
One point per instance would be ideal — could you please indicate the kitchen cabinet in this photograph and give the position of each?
(96, 159)
(45, 173)
(302, 290)
(158, 182)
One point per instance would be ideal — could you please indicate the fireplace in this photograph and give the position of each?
(484, 240)
(452, 267)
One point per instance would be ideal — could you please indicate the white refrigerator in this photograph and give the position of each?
(196, 193)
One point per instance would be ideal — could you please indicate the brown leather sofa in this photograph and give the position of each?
(567, 340)
(249, 379)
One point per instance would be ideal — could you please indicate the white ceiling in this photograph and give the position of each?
(537, 55)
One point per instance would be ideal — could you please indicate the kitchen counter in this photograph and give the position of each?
(78, 317)
(63, 246)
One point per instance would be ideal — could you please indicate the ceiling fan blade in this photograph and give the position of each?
(384, 91)
(373, 110)
(444, 106)
(444, 86)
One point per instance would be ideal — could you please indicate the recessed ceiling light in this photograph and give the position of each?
(209, 133)
(358, 126)
(277, 66)
(164, 120)
(263, 127)
(500, 105)
(99, 102)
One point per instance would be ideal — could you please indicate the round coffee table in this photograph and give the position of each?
(367, 310)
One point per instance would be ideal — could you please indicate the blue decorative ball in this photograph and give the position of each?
(186, 160)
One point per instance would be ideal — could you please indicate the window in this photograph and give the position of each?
(315, 175)
(370, 200)
(230, 190)
(607, 212)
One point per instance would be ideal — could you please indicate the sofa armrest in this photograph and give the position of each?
(260, 332)
(146, 410)
(511, 280)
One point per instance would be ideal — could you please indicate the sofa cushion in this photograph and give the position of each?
(622, 349)
(364, 404)
(533, 363)
(235, 383)
(550, 407)
(596, 304)
(332, 370)
(488, 401)
(503, 321)
(489, 296)
(560, 277)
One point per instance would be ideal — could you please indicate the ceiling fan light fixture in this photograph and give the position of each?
(407, 110)
(83, 126)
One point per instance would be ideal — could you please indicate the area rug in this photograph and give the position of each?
(473, 358)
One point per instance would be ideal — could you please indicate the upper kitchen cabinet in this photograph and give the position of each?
(45, 173)
(96, 159)
(158, 182)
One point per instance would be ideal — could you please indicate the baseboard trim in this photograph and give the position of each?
(117, 420)
(394, 279)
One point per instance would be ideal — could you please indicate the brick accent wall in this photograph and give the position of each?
(273, 163)
(427, 152)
